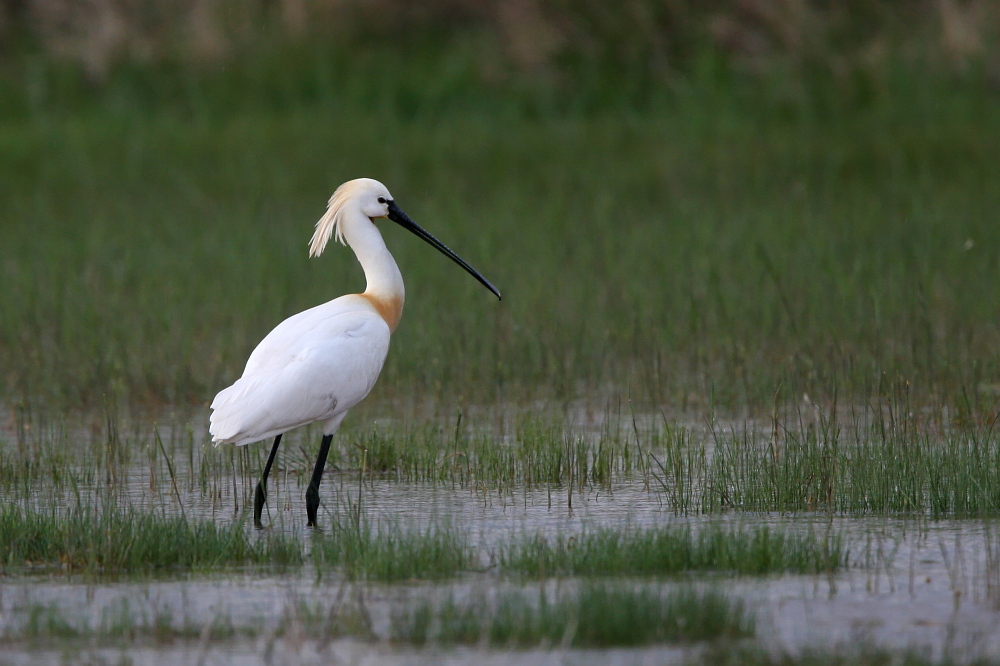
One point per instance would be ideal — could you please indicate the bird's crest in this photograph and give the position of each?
(330, 222)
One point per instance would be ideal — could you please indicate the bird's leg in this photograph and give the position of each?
(260, 496)
(312, 492)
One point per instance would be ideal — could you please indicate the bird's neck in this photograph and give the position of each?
(385, 283)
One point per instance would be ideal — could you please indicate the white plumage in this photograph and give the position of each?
(314, 366)
(318, 364)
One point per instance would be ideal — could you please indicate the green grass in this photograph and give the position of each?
(713, 249)
(111, 539)
(891, 462)
(885, 458)
(114, 540)
(538, 451)
(775, 250)
(594, 616)
(394, 553)
(804, 260)
(672, 550)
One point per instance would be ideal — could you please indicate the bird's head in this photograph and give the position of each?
(373, 200)
(372, 197)
(366, 195)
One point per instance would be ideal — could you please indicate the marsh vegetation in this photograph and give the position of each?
(743, 384)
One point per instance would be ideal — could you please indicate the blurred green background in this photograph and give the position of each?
(691, 204)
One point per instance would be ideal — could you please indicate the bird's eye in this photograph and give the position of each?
(381, 199)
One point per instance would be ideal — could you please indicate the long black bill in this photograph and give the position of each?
(397, 215)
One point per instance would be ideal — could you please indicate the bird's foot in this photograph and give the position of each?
(259, 498)
(312, 504)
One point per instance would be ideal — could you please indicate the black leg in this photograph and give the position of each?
(312, 492)
(260, 496)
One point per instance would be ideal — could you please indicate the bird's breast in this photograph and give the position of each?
(390, 308)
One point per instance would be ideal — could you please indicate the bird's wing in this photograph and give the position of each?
(326, 370)
(286, 340)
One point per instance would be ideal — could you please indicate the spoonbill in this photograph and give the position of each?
(317, 364)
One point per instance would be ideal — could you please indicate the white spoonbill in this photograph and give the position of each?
(317, 364)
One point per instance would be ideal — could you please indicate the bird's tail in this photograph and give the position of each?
(227, 424)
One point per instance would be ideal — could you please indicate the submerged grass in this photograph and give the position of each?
(389, 554)
(534, 453)
(593, 616)
(670, 550)
(879, 459)
(884, 458)
(586, 616)
(115, 540)
(883, 462)
(110, 541)
(122, 622)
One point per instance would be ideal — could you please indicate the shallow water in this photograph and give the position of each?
(913, 601)
(348, 651)
(911, 583)
(931, 585)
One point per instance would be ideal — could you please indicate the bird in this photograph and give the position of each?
(318, 364)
